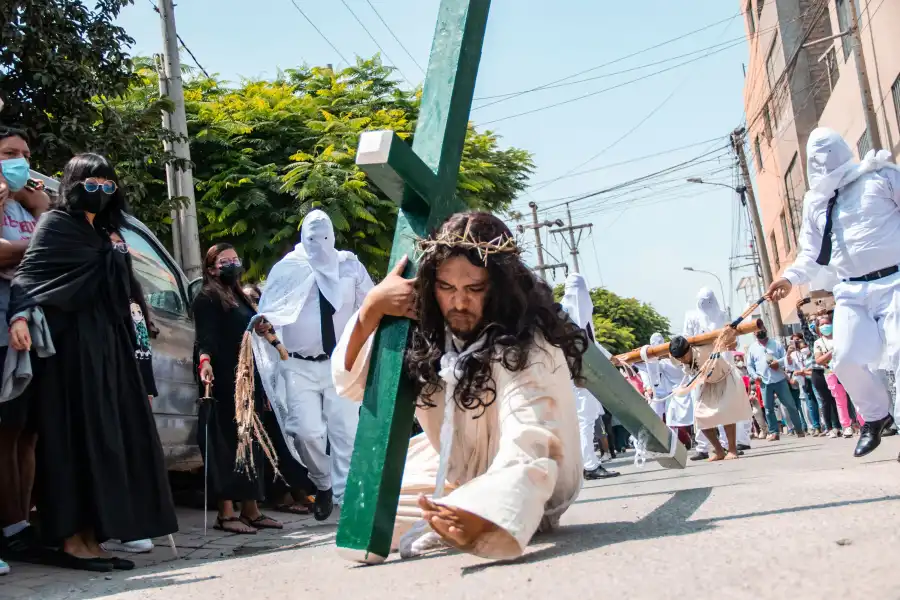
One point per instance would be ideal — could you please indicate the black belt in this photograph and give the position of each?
(319, 358)
(875, 275)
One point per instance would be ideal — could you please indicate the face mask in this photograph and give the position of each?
(812, 327)
(229, 274)
(826, 329)
(90, 202)
(15, 171)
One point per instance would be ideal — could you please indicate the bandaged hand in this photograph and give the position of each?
(458, 527)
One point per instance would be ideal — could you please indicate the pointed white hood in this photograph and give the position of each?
(709, 314)
(317, 246)
(577, 301)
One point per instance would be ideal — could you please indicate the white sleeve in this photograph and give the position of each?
(351, 384)
(513, 492)
(363, 284)
(805, 267)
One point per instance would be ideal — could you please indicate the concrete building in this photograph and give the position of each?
(793, 87)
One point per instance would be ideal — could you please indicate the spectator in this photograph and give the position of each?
(800, 376)
(766, 366)
(23, 202)
(790, 369)
(824, 350)
(221, 314)
(100, 467)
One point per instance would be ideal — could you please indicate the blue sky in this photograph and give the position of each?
(644, 239)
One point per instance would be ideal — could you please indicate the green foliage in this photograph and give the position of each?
(55, 56)
(622, 324)
(265, 153)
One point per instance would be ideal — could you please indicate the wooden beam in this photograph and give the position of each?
(703, 339)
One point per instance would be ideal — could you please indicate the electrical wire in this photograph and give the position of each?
(183, 45)
(319, 31)
(372, 37)
(391, 31)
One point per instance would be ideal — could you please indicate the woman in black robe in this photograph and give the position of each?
(100, 467)
(222, 313)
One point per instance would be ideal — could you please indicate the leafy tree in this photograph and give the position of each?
(622, 324)
(55, 57)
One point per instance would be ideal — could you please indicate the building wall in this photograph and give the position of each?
(810, 100)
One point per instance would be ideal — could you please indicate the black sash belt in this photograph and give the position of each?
(876, 275)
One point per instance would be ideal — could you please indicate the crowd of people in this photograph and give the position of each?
(508, 431)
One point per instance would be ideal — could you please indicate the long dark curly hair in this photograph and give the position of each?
(518, 305)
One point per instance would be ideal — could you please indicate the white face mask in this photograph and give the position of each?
(317, 240)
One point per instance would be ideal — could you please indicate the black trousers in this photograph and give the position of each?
(829, 406)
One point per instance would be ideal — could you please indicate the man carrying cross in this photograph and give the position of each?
(491, 359)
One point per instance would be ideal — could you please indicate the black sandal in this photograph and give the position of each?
(221, 521)
(259, 523)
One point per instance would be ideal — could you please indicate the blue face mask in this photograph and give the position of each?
(826, 329)
(812, 327)
(15, 171)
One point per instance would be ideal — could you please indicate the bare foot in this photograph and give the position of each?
(716, 456)
(731, 456)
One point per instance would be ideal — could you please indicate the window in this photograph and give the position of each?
(751, 21)
(161, 289)
(794, 189)
(834, 71)
(757, 154)
(774, 247)
(864, 144)
(844, 23)
(785, 234)
(895, 92)
(774, 62)
(767, 121)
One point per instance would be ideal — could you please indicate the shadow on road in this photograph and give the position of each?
(669, 519)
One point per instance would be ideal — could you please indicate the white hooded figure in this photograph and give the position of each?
(709, 316)
(577, 303)
(309, 297)
(851, 224)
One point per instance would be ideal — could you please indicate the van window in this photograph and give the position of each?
(160, 284)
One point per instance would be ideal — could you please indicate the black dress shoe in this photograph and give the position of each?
(743, 446)
(324, 504)
(600, 473)
(890, 428)
(69, 561)
(120, 564)
(870, 436)
(700, 456)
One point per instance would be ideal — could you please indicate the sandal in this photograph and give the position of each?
(222, 524)
(293, 509)
(262, 522)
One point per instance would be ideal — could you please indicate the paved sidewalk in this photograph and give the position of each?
(35, 581)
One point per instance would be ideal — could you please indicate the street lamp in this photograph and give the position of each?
(739, 189)
(721, 287)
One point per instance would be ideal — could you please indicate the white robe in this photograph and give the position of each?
(518, 465)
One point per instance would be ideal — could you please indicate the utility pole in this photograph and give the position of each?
(861, 74)
(541, 267)
(171, 180)
(572, 243)
(749, 199)
(183, 179)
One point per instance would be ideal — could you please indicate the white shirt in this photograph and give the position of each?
(304, 336)
(865, 234)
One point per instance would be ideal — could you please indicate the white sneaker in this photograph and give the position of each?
(135, 547)
(4, 568)
(848, 432)
(832, 433)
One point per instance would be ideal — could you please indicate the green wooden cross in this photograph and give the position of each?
(422, 180)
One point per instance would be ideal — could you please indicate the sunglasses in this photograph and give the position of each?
(224, 263)
(93, 185)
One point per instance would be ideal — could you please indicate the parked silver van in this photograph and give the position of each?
(169, 294)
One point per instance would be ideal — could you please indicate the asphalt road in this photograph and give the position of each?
(791, 519)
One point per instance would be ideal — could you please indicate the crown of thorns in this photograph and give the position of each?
(499, 245)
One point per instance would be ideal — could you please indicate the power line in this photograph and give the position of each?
(391, 31)
(372, 37)
(184, 45)
(604, 90)
(319, 31)
(617, 60)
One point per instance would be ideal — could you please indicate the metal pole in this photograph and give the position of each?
(861, 74)
(537, 240)
(171, 179)
(187, 213)
(749, 198)
(573, 246)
